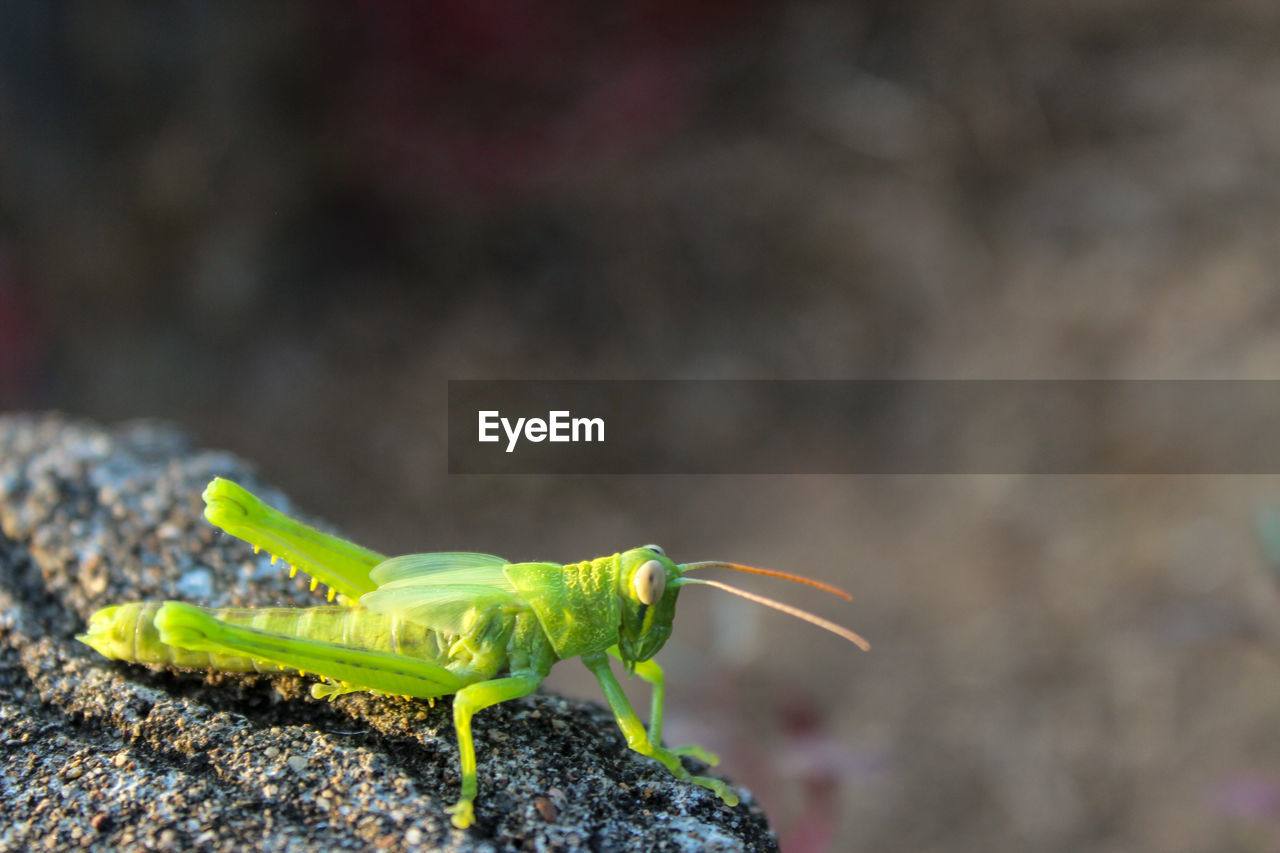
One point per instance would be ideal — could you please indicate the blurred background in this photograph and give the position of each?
(285, 226)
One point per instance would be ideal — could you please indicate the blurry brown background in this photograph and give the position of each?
(285, 226)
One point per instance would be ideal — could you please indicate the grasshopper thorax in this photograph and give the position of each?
(626, 599)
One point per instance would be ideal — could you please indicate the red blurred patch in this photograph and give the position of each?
(19, 342)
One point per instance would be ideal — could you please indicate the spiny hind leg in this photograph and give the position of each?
(638, 739)
(188, 627)
(343, 565)
(469, 700)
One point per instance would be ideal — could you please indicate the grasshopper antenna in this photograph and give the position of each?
(773, 573)
(811, 618)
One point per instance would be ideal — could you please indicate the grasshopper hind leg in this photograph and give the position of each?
(342, 565)
(187, 627)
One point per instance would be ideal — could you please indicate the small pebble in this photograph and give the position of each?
(546, 808)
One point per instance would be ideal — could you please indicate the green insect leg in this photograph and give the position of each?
(188, 627)
(343, 565)
(650, 671)
(469, 700)
(633, 730)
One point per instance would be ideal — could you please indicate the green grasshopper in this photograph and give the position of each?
(427, 625)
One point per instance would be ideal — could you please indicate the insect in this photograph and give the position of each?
(426, 625)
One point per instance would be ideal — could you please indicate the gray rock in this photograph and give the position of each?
(105, 755)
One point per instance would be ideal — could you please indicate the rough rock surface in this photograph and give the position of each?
(106, 755)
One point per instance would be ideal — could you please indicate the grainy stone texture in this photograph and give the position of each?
(104, 755)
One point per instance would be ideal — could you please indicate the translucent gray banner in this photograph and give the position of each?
(865, 427)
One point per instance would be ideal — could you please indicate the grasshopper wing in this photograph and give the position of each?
(446, 567)
(446, 591)
(451, 608)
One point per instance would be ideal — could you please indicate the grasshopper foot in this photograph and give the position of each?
(718, 787)
(463, 814)
(706, 757)
(669, 757)
(331, 689)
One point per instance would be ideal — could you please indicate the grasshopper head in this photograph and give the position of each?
(648, 590)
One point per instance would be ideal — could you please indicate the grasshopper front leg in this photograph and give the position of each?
(651, 672)
(638, 739)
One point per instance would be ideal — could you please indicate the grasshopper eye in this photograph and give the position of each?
(649, 582)
(655, 549)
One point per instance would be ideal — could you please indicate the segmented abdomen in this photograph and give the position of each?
(128, 632)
